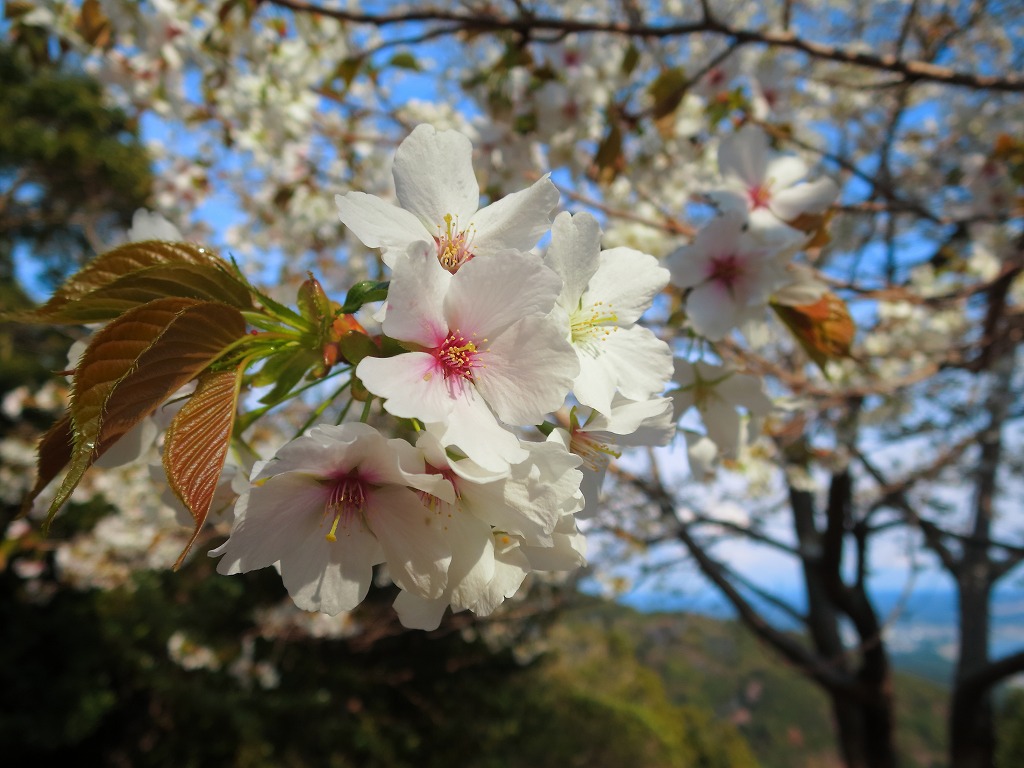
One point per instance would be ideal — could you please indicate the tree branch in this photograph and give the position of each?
(910, 70)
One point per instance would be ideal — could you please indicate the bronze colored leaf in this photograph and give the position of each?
(93, 25)
(191, 281)
(108, 267)
(824, 329)
(197, 445)
(667, 90)
(609, 160)
(133, 365)
(53, 454)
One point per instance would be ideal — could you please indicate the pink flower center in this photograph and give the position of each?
(458, 356)
(726, 270)
(759, 196)
(453, 246)
(345, 502)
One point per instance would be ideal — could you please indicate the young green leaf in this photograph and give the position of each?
(364, 293)
(197, 445)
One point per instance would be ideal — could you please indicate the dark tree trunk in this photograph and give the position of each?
(865, 731)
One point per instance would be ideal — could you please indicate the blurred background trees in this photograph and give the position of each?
(909, 443)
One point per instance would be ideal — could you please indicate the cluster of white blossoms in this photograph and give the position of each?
(736, 265)
(495, 339)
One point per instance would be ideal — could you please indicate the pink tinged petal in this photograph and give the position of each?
(415, 304)
(744, 155)
(413, 385)
(810, 197)
(529, 371)
(379, 224)
(332, 577)
(784, 172)
(626, 283)
(490, 293)
(573, 254)
(712, 311)
(472, 428)
(434, 176)
(510, 569)
(692, 265)
(413, 538)
(722, 423)
(416, 612)
(516, 221)
(282, 516)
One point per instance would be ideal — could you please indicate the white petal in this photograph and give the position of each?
(810, 197)
(567, 553)
(273, 520)
(783, 172)
(472, 428)
(732, 197)
(722, 423)
(746, 391)
(412, 384)
(415, 304)
(632, 361)
(744, 155)
(489, 293)
(416, 612)
(472, 559)
(626, 282)
(413, 539)
(133, 443)
(510, 569)
(642, 422)
(573, 254)
(529, 371)
(434, 176)
(332, 577)
(378, 224)
(711, 310)
(516, 221)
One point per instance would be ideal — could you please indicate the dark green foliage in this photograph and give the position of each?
(75, 165)
(1010, 728)
(718, 669)
(87, 678)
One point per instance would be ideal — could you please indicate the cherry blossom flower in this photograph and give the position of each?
(331, 505)
(730, 276)
(439, 203)
(717, 391)
(484, 350)
(526, 507)
(767, 190)
(596, 438)
(603, 295)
